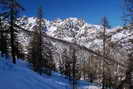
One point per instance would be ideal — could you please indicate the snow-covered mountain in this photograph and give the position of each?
(79, 31)
(67, 29)
(74, 30)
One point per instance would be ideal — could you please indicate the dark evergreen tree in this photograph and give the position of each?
(12, 30)
(105, 25)
(40, 53)
(3, 39)
(13, 7)
(74, 68)
(128, 81)
(33, 51)
(128, 11)
(36, 44)
(74, 82)
(105, 22)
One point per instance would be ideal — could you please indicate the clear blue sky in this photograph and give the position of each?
(90, 10)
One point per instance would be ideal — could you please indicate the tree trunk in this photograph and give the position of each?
(12, 36)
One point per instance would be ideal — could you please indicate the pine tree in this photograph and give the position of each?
(3, 40)
(12, 30)
(36, 44)
(12, 9)
(129, 73)
(40, 52)
(105, 22)
(105, 25)
(128, 5)
(73, 69)
(33, 51)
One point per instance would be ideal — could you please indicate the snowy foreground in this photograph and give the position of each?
(20, 76)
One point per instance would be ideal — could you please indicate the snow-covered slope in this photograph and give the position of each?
(20, 76)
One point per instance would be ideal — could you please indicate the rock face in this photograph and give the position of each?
(68, 29)
(74, 29)
(77, 30)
